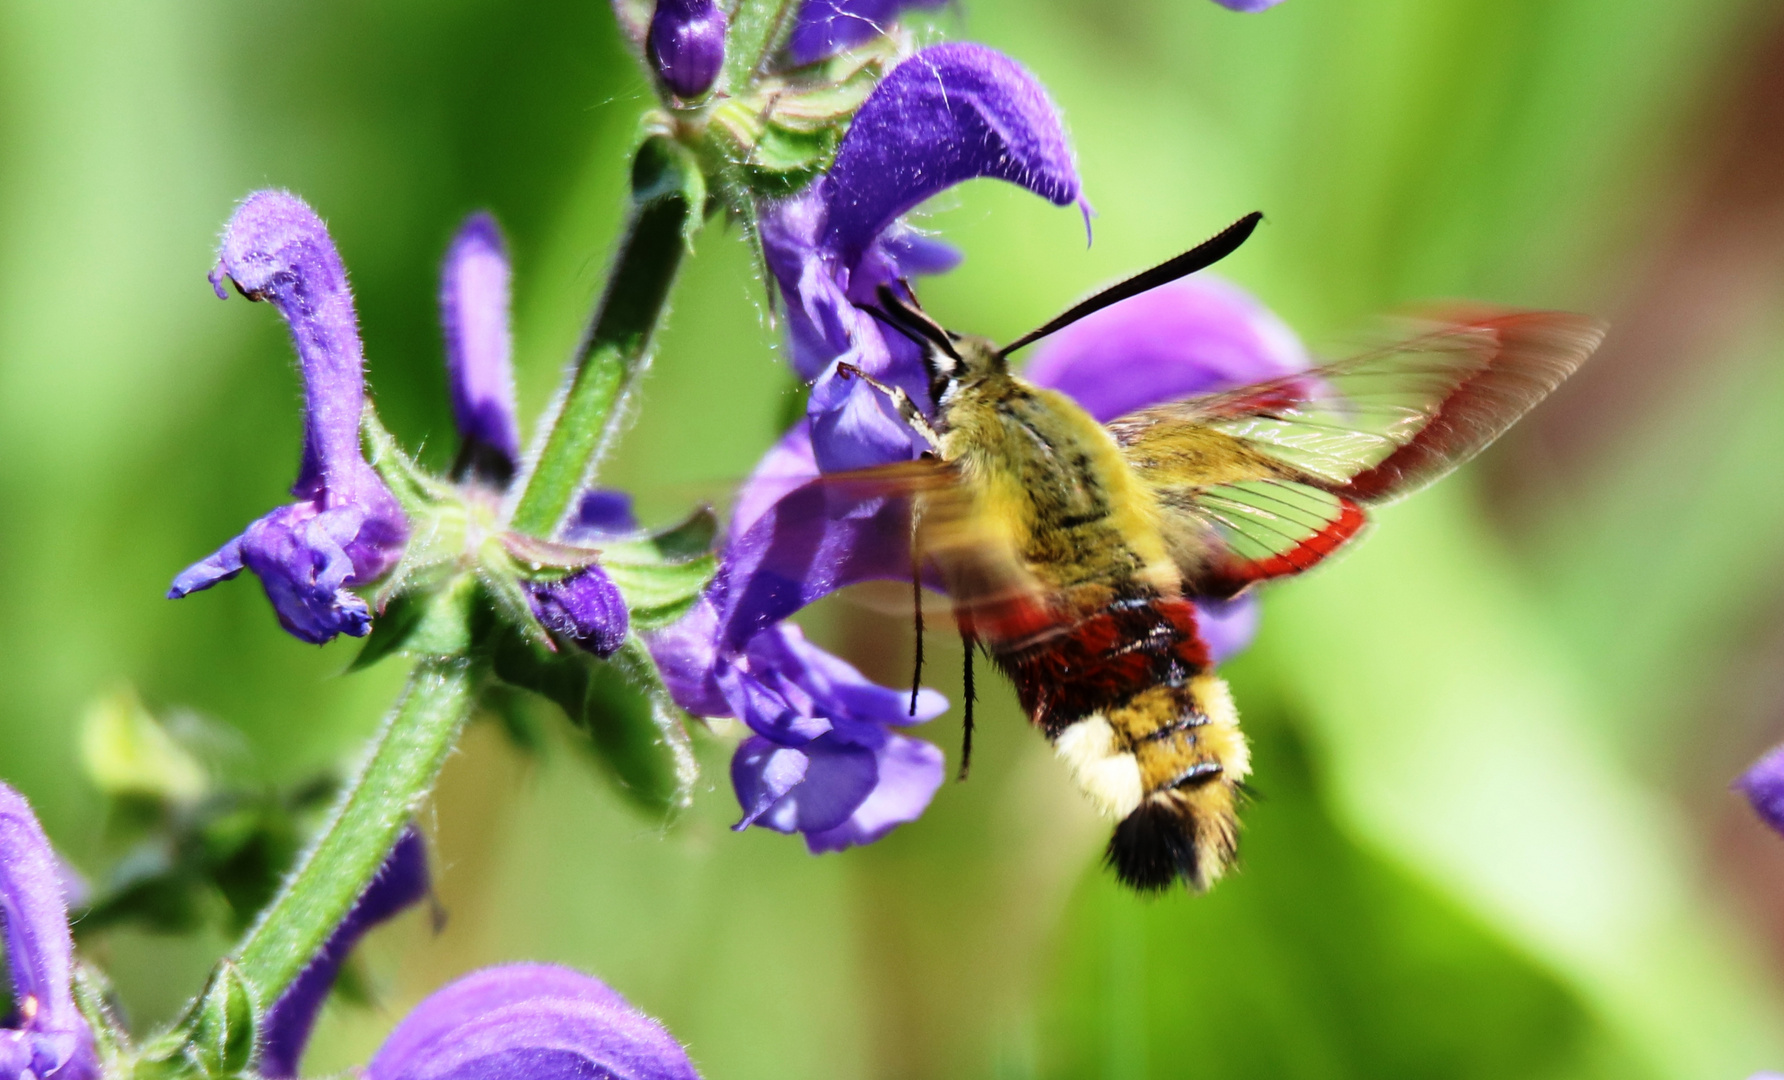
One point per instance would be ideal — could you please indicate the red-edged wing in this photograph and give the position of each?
(1269, 479)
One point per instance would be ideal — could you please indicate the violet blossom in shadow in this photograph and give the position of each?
(686, 44)
(520, 1021)
(401, 882)
(474, 302)
(46, 1038)
(345, 529)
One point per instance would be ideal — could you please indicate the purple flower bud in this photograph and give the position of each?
(687, 44)
(827, 27)
(474, 313)
(1247, 5)
(585, 608)
(52, 1041)
(1763, 784)
(529, 1022)
(400, 883)
(346, 528)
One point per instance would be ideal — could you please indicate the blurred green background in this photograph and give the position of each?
(1493, 744)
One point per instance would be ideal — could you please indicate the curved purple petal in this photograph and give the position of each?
(402, 881)
(948, 114)
(1763, 785)
(474, 291)
(53, 1040)
(585, 608)
(530, 1022)
(827, 27)
(1192, 336)
(908, 774)
(852, 787)
(687, 44)
(346, 529)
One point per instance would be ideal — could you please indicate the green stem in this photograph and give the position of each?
(668, 191)
(405, 760)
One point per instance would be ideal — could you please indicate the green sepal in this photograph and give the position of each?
(415, 490)
(659, 593)
(758, 30)
(93, 996)
(224, 1025)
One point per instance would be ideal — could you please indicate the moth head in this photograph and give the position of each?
(950, 359)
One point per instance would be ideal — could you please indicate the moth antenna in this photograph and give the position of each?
(917, 610)
(966, 726)
(912, 322)
(1200, 257)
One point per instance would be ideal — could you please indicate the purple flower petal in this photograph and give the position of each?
(827, 27)
(1227, 626)
(585, 608)
(1763, 785)
(602, 513)
(1192, 336)
(53, 1040)
(529, 1022)
(346, 528)
(687, 44)
(908, 774)
(401, 882)
(474, 289)
(948, 114)
(761, 772)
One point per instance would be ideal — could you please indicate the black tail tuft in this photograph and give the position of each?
(1155, 847)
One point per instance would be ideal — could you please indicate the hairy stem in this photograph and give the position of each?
(667, 190)
(404, 762)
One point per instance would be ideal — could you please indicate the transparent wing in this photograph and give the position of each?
(1269, 479)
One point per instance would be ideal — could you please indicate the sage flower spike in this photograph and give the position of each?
(50, 1039)
(345, 529)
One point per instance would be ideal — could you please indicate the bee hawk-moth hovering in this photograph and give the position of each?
(1072, 549)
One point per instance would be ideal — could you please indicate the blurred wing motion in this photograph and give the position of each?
(1267, 480)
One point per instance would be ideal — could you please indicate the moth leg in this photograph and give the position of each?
(907, 409)
(966, 726)
(916, 605)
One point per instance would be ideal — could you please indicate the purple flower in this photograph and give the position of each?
(584, 608)
(827, 27)
(50, 1040)
(474, 314)
(529, 1022)
(686, 44)
(346, 528)
(401, 882)
(948, 114)
(1763, 785)
(1248, 5)
(823, 759)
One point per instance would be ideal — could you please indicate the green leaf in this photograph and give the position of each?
(658, 593)
(126, 752)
